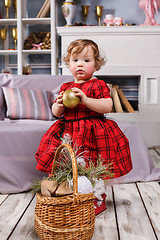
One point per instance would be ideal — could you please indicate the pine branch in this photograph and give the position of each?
(64, 169)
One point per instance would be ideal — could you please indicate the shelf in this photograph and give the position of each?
(36, 21)
(103, 30)
(8, 52)
(14, 52)
(6, 22)
(24, 26)
(43, 51)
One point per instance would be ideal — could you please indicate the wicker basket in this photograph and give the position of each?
(70, 217)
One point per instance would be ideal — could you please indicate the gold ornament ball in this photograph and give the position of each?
(70, 100)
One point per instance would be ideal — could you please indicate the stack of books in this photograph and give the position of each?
(43, 12)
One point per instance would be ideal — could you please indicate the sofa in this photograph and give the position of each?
(20, 135)
(25, 115)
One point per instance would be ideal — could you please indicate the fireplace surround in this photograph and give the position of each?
(129, 86)
(131, 51)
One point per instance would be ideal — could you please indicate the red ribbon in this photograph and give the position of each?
(36, 46)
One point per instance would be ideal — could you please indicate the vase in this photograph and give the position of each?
(69, 11)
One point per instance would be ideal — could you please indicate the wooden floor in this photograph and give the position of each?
(133, 212)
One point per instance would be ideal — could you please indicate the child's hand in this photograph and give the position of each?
(59, 99)
(58, 107)
(82, 95)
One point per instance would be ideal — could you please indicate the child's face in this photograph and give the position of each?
(82, 65)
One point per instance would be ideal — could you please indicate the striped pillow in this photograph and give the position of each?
(51, 97)
(2, 106)
(27, 104)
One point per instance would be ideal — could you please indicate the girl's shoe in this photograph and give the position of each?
(100, 205)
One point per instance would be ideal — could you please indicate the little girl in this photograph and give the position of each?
(86, 123)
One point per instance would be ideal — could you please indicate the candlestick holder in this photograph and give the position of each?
(85, 11)
(7, 4)
(14, 35)
(99, 13)
(3, 34)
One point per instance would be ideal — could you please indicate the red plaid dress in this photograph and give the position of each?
(95, 134)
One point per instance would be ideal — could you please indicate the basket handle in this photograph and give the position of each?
(74, 164)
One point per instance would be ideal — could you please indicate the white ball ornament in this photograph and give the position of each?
(84, 185)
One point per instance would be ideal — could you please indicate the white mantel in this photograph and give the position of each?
(126, 46)
(96, 30)
(130, 51)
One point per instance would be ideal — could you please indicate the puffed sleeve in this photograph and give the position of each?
(64, 87)
(101, 90)
(61, 89)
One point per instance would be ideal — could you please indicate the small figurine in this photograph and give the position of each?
(27, 70)
(150, 8)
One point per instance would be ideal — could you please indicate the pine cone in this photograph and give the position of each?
(47, 41)
(35, 38)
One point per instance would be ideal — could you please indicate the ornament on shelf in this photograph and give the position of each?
(150, 8)
(109, 20)
(99, 13)
(3, 35)
(47, 41)
(7, 70)
(27, 70)
(69, 11)
(85, 11)
(36, 46)
(37, 41)
(14, 35)
(7, 4)
(118, 21)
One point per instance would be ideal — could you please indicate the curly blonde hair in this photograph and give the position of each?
(77, 46)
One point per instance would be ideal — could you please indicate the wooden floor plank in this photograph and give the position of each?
(25, 229)
(105, 223)
(150, 193)
(133, 221)
(105, 226)
(3, 197)
(157, 148)
(10, 212)
(156, 157)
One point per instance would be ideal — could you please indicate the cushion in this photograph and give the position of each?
(52, 97)
(28, 104)
(2, 106)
